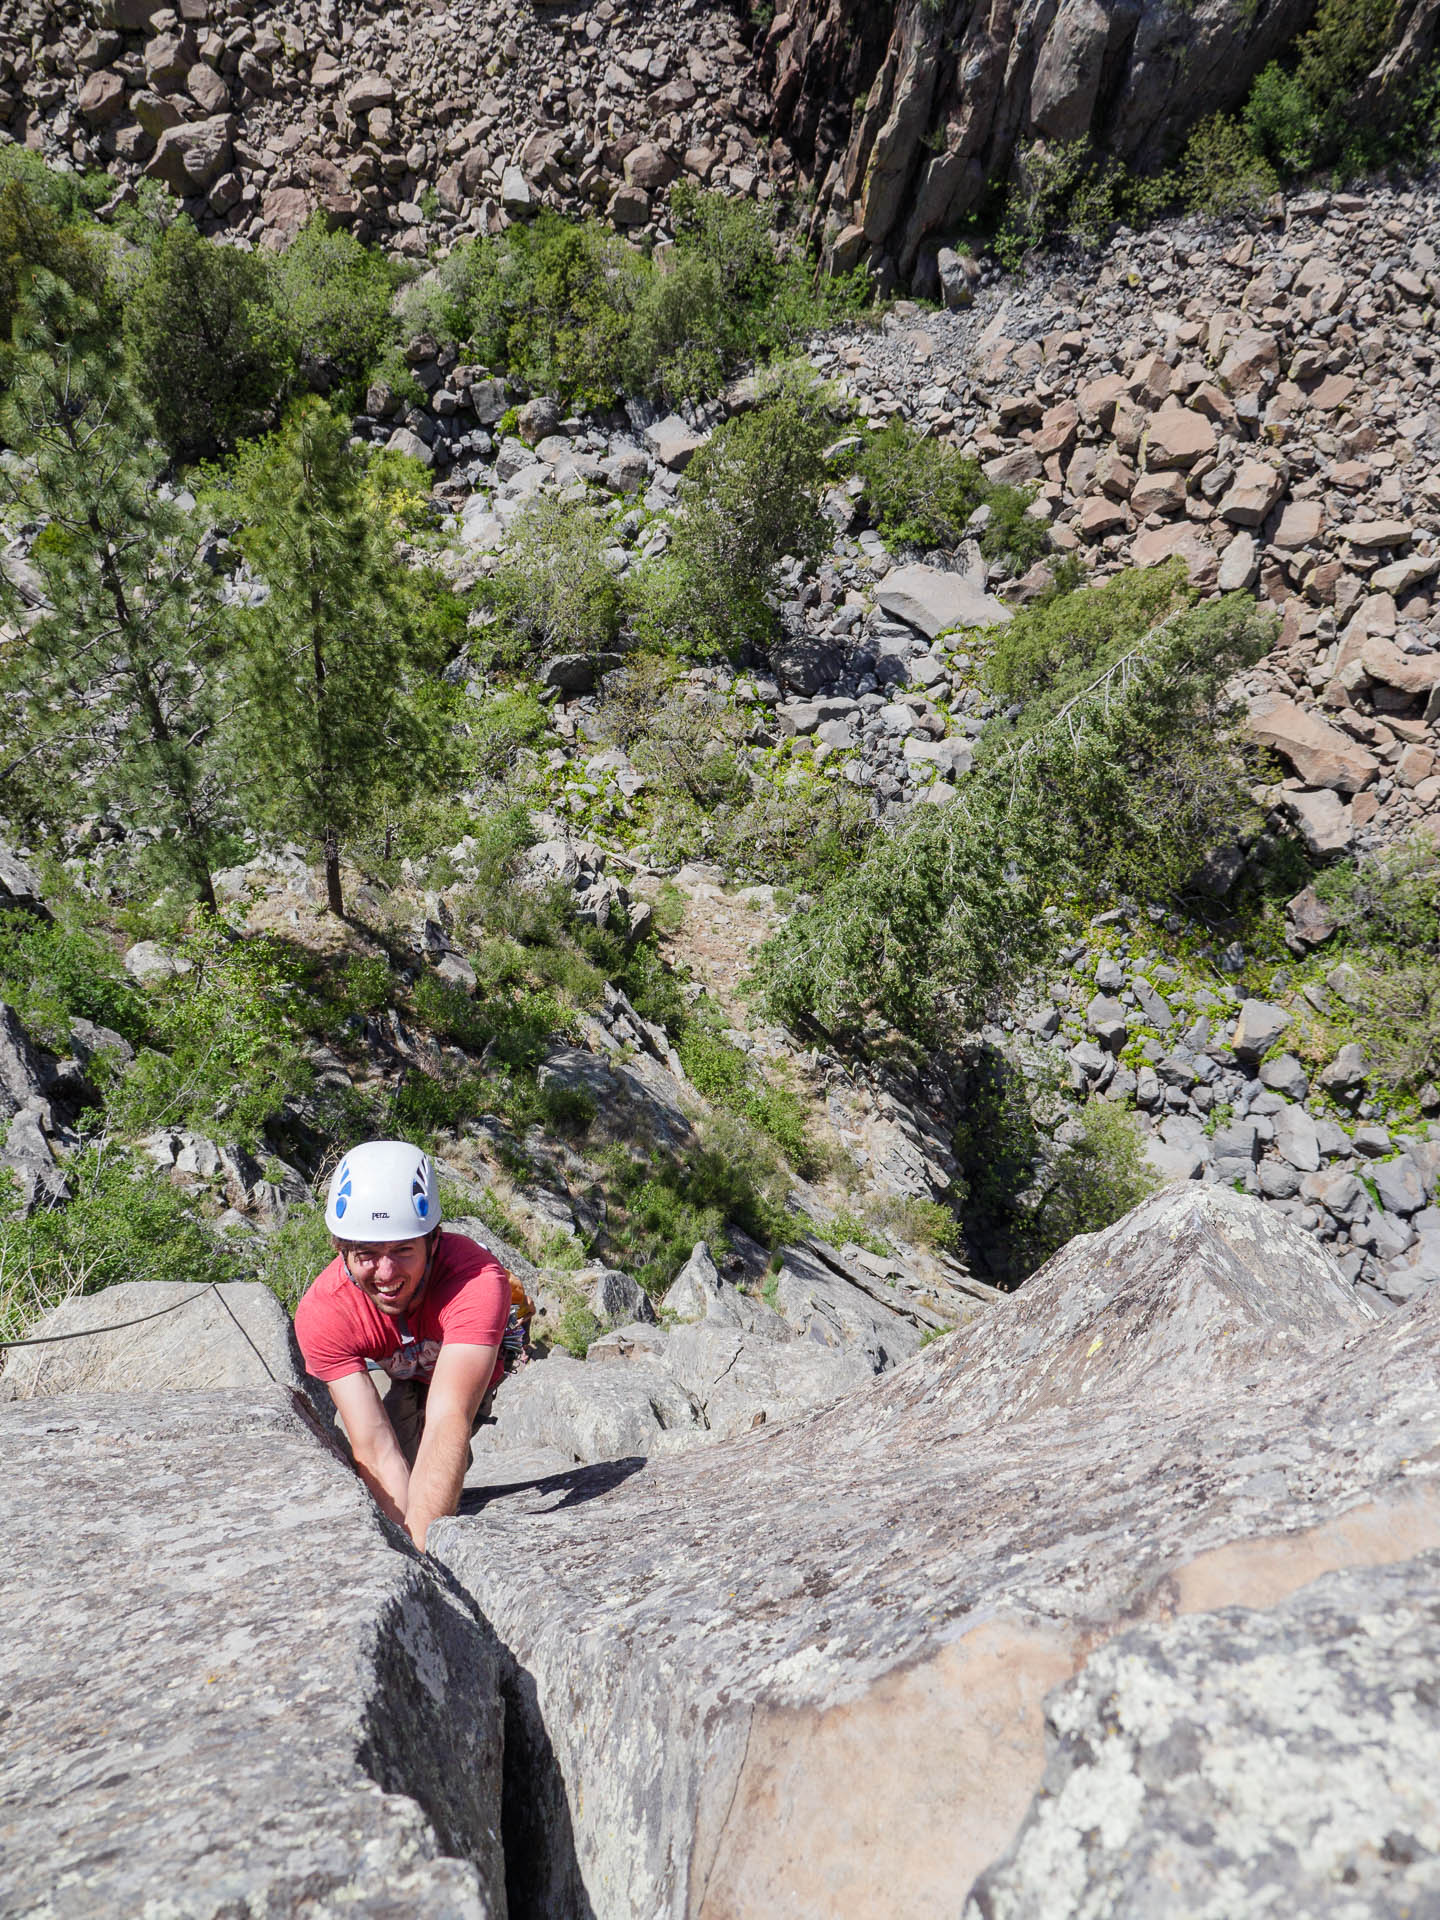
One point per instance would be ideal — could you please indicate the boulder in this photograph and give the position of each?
(228, 1679)
(24, 1081)
(673, 443)
(1417, 674)
(1260, 1025)
(102, 98)
(1254, 491)
(1180, 541)
(935, 601)
(1325, 822)
(575, 673)
(649, 167)
(1322, 755)
(618, 1300)
(517, 196)
(1176, 439)
(1186, 1416)
(191, 157)
(235, 1335)
(147, 961)
(19, 889)
(1295, 1139)
(588, 1412)
(1264, 1797)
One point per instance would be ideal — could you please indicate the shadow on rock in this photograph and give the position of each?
(574, 1489)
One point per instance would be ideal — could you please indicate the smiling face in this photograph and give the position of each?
(391, 1273)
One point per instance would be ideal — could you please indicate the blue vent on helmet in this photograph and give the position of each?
(342, 1192)
(418, 1194)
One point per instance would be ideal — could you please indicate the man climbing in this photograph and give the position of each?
(430, 1308)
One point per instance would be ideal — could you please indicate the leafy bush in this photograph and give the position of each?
(922, 493)
(918, 491)
(335, 297)
(500, 727)
(41, 225)
(1050, 651)
(209, 350)
(721, 1072)
(573, 310)
(576, 1329)
(124, 1222)
(1221, 172)
(290, 1258)
(51, 974)
(552, 590)
(1282, 122)
(657, 1209)
(1010, 532)
(1031, 1187)
(749, 497)
(1386, 906)
(225, 1055)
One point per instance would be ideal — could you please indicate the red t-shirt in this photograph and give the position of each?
(466, 1302)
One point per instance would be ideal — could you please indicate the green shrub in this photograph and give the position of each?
(52, 974)
(335, 297)
(922, 493)
(1221, 172)
(1010, 532)
(1282, 121)
(225, 1056)
(41, 226)
(500, 727)
(749, 497)
(1050, 651)
(124, 1222)
(209, 350)
(291, 1257)
(920, 1223)
(576, 1328)
(1385, 906)
(918, 491)
(722, 1073)
(546, 303)
(552, 590)
(573, 310)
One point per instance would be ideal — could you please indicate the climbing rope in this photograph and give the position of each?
(119, 1326)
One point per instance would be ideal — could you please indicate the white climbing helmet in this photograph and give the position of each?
(383, 1190)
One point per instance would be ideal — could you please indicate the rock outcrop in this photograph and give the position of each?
(228, 1687)
(816, 1660)
(946, 97)
(235, 1335)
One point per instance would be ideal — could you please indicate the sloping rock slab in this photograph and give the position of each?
(236, 1335)
(228, 1690)
(816, 1658)
(1141, 1814)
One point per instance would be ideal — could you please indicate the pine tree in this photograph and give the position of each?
(329, 727)
(109, 683)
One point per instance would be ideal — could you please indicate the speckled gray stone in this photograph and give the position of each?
(815, 1659)
(1245, 1762)
(227, 1690)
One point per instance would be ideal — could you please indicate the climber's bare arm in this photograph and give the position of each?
(378, 1459)
(462, 1375)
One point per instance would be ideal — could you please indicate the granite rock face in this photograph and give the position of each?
(225, 1691)
(816, 1658)
(236, 1335)
(1153, 1799)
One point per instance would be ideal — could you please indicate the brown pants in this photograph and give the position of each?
(405, 1404)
